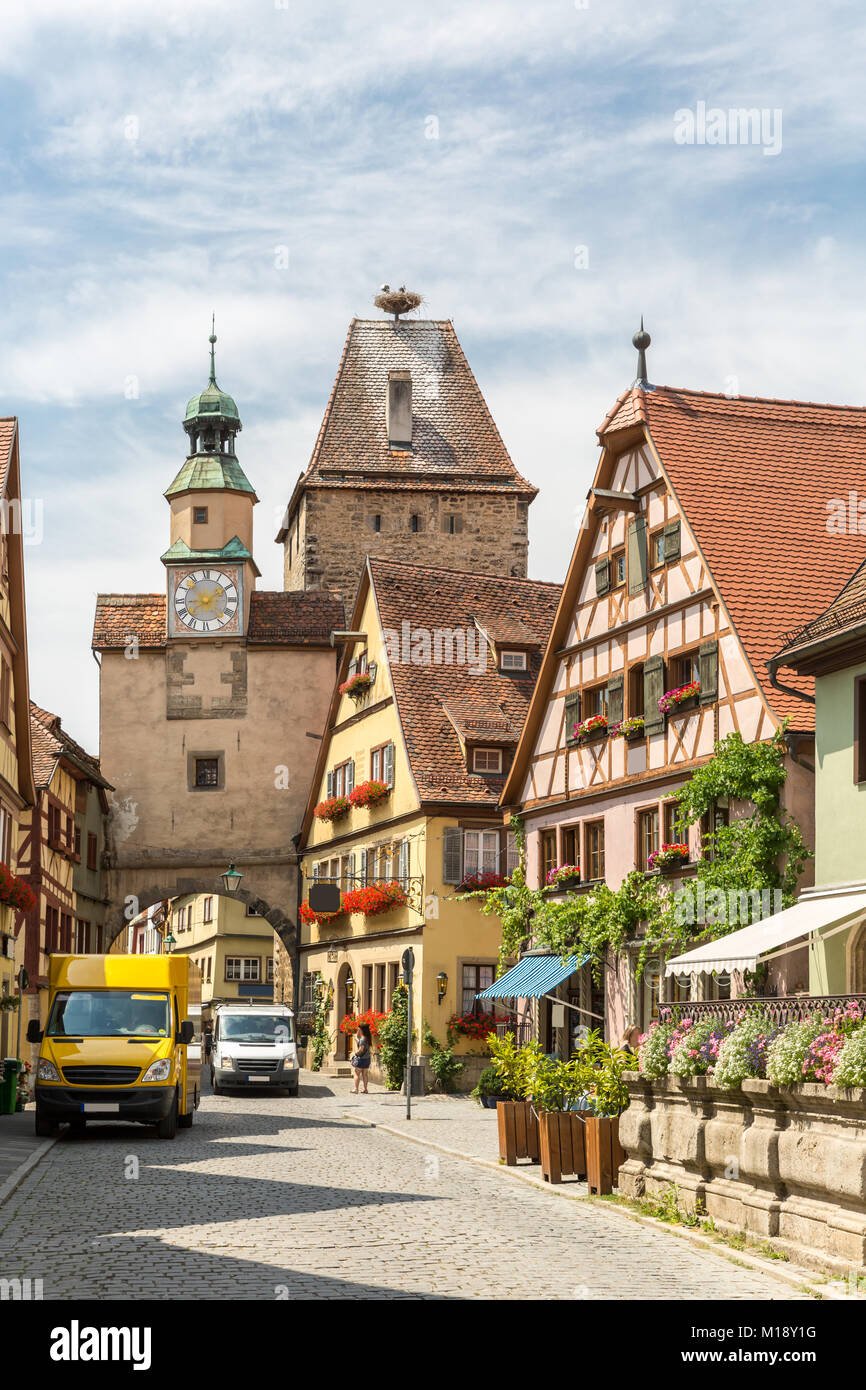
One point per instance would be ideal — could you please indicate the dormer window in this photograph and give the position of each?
(512, 661)
(487, 760)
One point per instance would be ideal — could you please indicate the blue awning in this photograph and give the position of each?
(533, 977)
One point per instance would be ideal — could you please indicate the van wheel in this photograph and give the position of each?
(45, 1126)
(216, 1087)
(167, 1128)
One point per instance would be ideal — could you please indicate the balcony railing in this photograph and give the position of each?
(782, 1010)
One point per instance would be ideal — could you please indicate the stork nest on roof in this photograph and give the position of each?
(397, 302)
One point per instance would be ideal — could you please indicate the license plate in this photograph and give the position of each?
(99, 1108)
(263, 1080)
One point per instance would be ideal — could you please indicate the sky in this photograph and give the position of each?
(543, 174)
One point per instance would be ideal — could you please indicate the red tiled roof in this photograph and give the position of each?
(50, 741)
(296, 619)
(8, 425)
(447, 599)
(843, 619)
(453, 433)
(755, 478)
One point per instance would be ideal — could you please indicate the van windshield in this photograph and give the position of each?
(256, 1028)
(109, 1013)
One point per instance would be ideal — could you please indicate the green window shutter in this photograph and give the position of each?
(637, 555)
(572, 715)
(602, 577)
(614, 699)
(709, 672)
(653, 690)
(389, 765)
(672, 540)
(452, 843)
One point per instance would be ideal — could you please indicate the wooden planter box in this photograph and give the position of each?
(604, 1153)
(563, 1148)
(684, 707)
(676, 866)
(518, 1131)
(566, 884)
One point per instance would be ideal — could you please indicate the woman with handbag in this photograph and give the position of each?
(362, 1055)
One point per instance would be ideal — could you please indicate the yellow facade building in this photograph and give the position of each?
(437, 674)
(232, 946)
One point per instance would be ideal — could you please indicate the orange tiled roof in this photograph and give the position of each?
(454, 436)
(297, 619)
(843, 619)
(447, 599)
(754, 478)
(50, 741)
(8, 425)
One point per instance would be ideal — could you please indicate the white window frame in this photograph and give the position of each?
(480, 852)
(512, 661)
(486, 753)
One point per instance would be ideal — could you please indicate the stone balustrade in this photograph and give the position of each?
(789, 1164)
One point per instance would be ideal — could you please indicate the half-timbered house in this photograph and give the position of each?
(685, 574)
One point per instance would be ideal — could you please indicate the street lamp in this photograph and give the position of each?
(169, 942)
(232, 879)
(441, 984)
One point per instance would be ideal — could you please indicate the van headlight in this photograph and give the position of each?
(46, 1071)
(226, 1063)
(158, 1071)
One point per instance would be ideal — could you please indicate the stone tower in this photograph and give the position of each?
(408, 465)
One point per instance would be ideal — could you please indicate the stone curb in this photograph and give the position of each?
(15, 1179)
(793, 1275)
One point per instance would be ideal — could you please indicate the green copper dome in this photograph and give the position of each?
(212, 403)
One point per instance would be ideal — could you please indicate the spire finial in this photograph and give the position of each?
(212, 340)
(641, 341)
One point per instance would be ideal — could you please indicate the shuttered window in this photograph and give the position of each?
(452, 858)
(602, 577)
(637, 555)
(403, 863)
(672, 540)
(572, 714)
(614, 699)
(709, 672)
(512, 856)
(653, 690)
(330, 784)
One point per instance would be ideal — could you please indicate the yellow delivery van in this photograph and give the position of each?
(117, 1044)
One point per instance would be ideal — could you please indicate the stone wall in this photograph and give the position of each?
(788, 1164)
(335, 530)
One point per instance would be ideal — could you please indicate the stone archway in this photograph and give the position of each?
(855, 972)
(132, 891)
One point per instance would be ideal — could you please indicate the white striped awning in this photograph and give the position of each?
(741, 950)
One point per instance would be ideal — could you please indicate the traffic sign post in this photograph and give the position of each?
(408, 963)
(23, 982)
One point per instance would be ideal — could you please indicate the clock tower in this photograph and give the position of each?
(210, 567)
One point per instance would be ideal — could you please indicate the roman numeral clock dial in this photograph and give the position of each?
(205, 600)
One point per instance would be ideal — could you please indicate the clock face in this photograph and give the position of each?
(206, 600)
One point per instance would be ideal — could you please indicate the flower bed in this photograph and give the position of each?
(474, 883)
(594, 727)
(562, 874)
(668, 856)
(332, 808)
(628, 728)
(15, 892)
(375, 898)
(369, 793)
(827, 1048)
(357, 685)
(672, 699)
(308, 915)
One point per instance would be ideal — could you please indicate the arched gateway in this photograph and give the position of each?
(213, 696)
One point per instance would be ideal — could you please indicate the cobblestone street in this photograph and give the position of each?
(271, 1197)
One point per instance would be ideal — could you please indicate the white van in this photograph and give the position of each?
(254, 1045)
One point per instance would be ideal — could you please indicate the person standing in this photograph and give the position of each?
(362, 1055)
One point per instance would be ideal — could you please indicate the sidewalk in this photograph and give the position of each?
(20, 1149)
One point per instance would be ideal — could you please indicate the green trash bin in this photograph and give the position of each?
(9, 1086)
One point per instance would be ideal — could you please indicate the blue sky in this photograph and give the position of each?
(154, 158)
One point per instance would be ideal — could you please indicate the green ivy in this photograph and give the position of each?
(443, 1064)
(321, 1034)
(393, 1038)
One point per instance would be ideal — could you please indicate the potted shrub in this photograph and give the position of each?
(668, 858)
(682, 698)
(556, 1089)
(332, 808)
(563, 877)
(593, 727)
(517, 1121)
(357, 685)
(369, 793)
(489, 1089)
(629, 729)
(600, 1067)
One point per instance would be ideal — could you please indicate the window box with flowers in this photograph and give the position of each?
(479, 1027)
(683, 698)
(375, 899)
(369, 793)
(308, 915)
(480, 882)
(593, 728)
(350, 1023)
(563, 877)
(357, 685)
(332, 808)
(15, 892)
(629, 729)
(669, 858)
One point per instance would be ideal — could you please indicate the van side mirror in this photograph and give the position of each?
(187, 1031)
(34, 1032)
